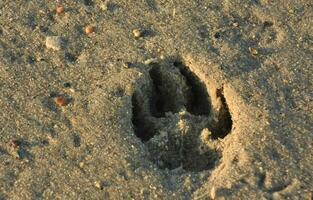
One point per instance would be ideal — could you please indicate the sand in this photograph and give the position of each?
(163, 100)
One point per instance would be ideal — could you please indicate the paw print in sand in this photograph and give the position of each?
(174, 118)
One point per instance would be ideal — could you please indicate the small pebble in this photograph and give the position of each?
(253, 51)
(81, 164)
(72, 90)
(127, 65)
(98, 185)
(59, 10)
(235, 24)
(60, 101)
(89, 29)
(137, 33)
(54, 42)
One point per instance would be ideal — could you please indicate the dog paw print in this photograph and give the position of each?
(174, 117)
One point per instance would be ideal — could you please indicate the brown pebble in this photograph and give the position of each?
(59, 9)
(89, 29)
(60, 101)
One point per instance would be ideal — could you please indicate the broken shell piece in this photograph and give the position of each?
(150, 61)
(54, 42)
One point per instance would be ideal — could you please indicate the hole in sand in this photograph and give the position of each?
(224, 123)
(142, 125)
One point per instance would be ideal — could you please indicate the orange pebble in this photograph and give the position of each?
(60, 101)
(89, 29)
(59, 9)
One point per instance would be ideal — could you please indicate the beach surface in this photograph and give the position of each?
(156, 99)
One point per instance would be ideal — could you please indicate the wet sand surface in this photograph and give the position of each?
(156, 99)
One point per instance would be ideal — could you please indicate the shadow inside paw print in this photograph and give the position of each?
(174, 117)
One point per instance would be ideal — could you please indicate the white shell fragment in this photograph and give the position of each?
(54, 42)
